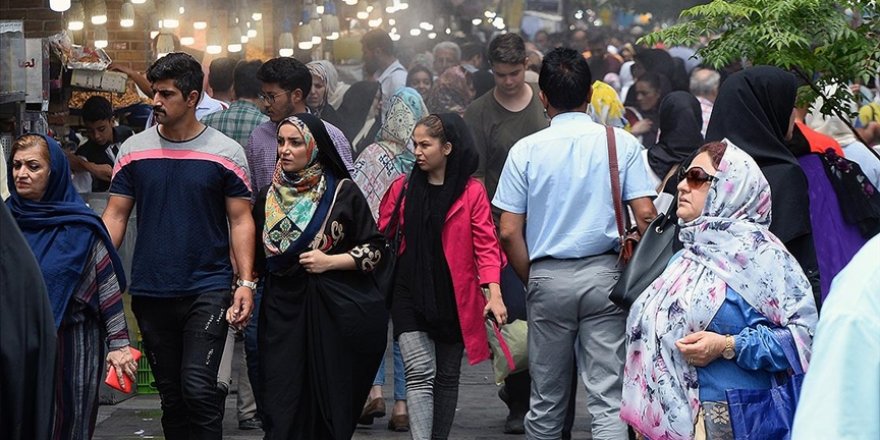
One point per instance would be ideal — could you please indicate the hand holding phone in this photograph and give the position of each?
(113, 376)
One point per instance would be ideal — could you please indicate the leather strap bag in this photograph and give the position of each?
(628, 236)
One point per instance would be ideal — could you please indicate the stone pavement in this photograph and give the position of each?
(479, 416)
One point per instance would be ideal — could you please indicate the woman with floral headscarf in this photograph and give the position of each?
(718, 316)
(323, 322)
(392, 153)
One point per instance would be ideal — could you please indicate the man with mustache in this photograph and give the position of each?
(192, 188)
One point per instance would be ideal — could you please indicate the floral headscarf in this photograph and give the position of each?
(452, 92)
(728, 245)
(293, 198)
(392, 154)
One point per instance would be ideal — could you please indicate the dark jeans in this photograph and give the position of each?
(250, 348)
(184, 340)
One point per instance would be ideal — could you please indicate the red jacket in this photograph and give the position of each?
(472, 252)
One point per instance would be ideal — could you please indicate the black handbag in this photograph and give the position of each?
(385, 274)
(649, 259)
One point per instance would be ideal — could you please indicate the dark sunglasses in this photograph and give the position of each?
(695, 176)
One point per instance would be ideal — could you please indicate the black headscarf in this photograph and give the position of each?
(681, 119)
(753, 110)
(355, 107)
(327, 152)
(419, 231)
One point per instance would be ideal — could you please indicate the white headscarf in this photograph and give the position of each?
(728, 245)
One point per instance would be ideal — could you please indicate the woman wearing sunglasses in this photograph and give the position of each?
(711, 322)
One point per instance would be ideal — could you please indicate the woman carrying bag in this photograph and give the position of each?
(448, 251)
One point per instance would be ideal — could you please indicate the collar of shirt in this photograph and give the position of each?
(578, 117)
(393, 67)
(209, 103)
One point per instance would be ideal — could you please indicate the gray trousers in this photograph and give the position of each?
(432, 373)
(567, 304)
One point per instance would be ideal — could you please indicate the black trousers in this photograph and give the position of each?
(184, 340)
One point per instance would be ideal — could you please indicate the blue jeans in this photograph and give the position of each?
(250, 347)
(399, 377)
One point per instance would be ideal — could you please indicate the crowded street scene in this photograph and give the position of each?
(440, 219)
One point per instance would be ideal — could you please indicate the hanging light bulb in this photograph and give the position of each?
(100, 37)
(351, 2)
(99, 12)
(285, 44)
(126, 15)
(304, 33)
(76, 22)
(187, 41)
(363, 12)
(164, 44)
(138, 2)
(182, 8)
(257, 16)
(215, 40)
(252, 31)
(170, 19)
(330, 25)
(59, 5)
(233, 35)
(200, 24)
(317, 27)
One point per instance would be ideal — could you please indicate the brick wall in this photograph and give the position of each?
(128, 46)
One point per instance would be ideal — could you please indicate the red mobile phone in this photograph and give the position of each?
(113, 380)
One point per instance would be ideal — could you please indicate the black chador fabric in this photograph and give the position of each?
(753, 110)
(681, 119)
(321, 336)
(27, 339)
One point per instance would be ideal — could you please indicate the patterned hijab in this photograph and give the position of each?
(293, 198)
(452, 92)
(395, 136)
(728, 245)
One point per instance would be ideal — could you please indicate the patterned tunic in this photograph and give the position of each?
(95, 308)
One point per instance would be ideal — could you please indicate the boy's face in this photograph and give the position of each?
(100, 132)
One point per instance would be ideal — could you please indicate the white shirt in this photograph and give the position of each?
(392, 79)
(840, 398)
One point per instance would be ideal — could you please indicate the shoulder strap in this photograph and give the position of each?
(615, 181)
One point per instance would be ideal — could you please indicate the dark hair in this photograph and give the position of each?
(658, 82)
(378, 39)
(565, 79)
(716, 151)
(220, 74)
(97, 108)
(182, 68)
(507, 49)
(28, 141)
(289, 73)
(416, 69)
(471, 49)
(435, 127)
(246, 84)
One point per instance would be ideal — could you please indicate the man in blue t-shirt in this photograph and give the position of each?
(560, 179)
(191, 185)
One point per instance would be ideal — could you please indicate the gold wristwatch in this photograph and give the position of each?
(729, 347)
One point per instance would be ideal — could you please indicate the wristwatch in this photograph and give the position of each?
(245, 283)
(729, 347)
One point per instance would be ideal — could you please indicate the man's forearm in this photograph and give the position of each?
(102, 172)
(242, 236)
(517, 255)
(116, 228)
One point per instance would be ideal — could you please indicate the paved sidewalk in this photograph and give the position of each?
(480, 415)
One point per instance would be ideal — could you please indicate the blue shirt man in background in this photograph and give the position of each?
(559, 178)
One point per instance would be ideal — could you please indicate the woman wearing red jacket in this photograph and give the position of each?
(448, 251)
